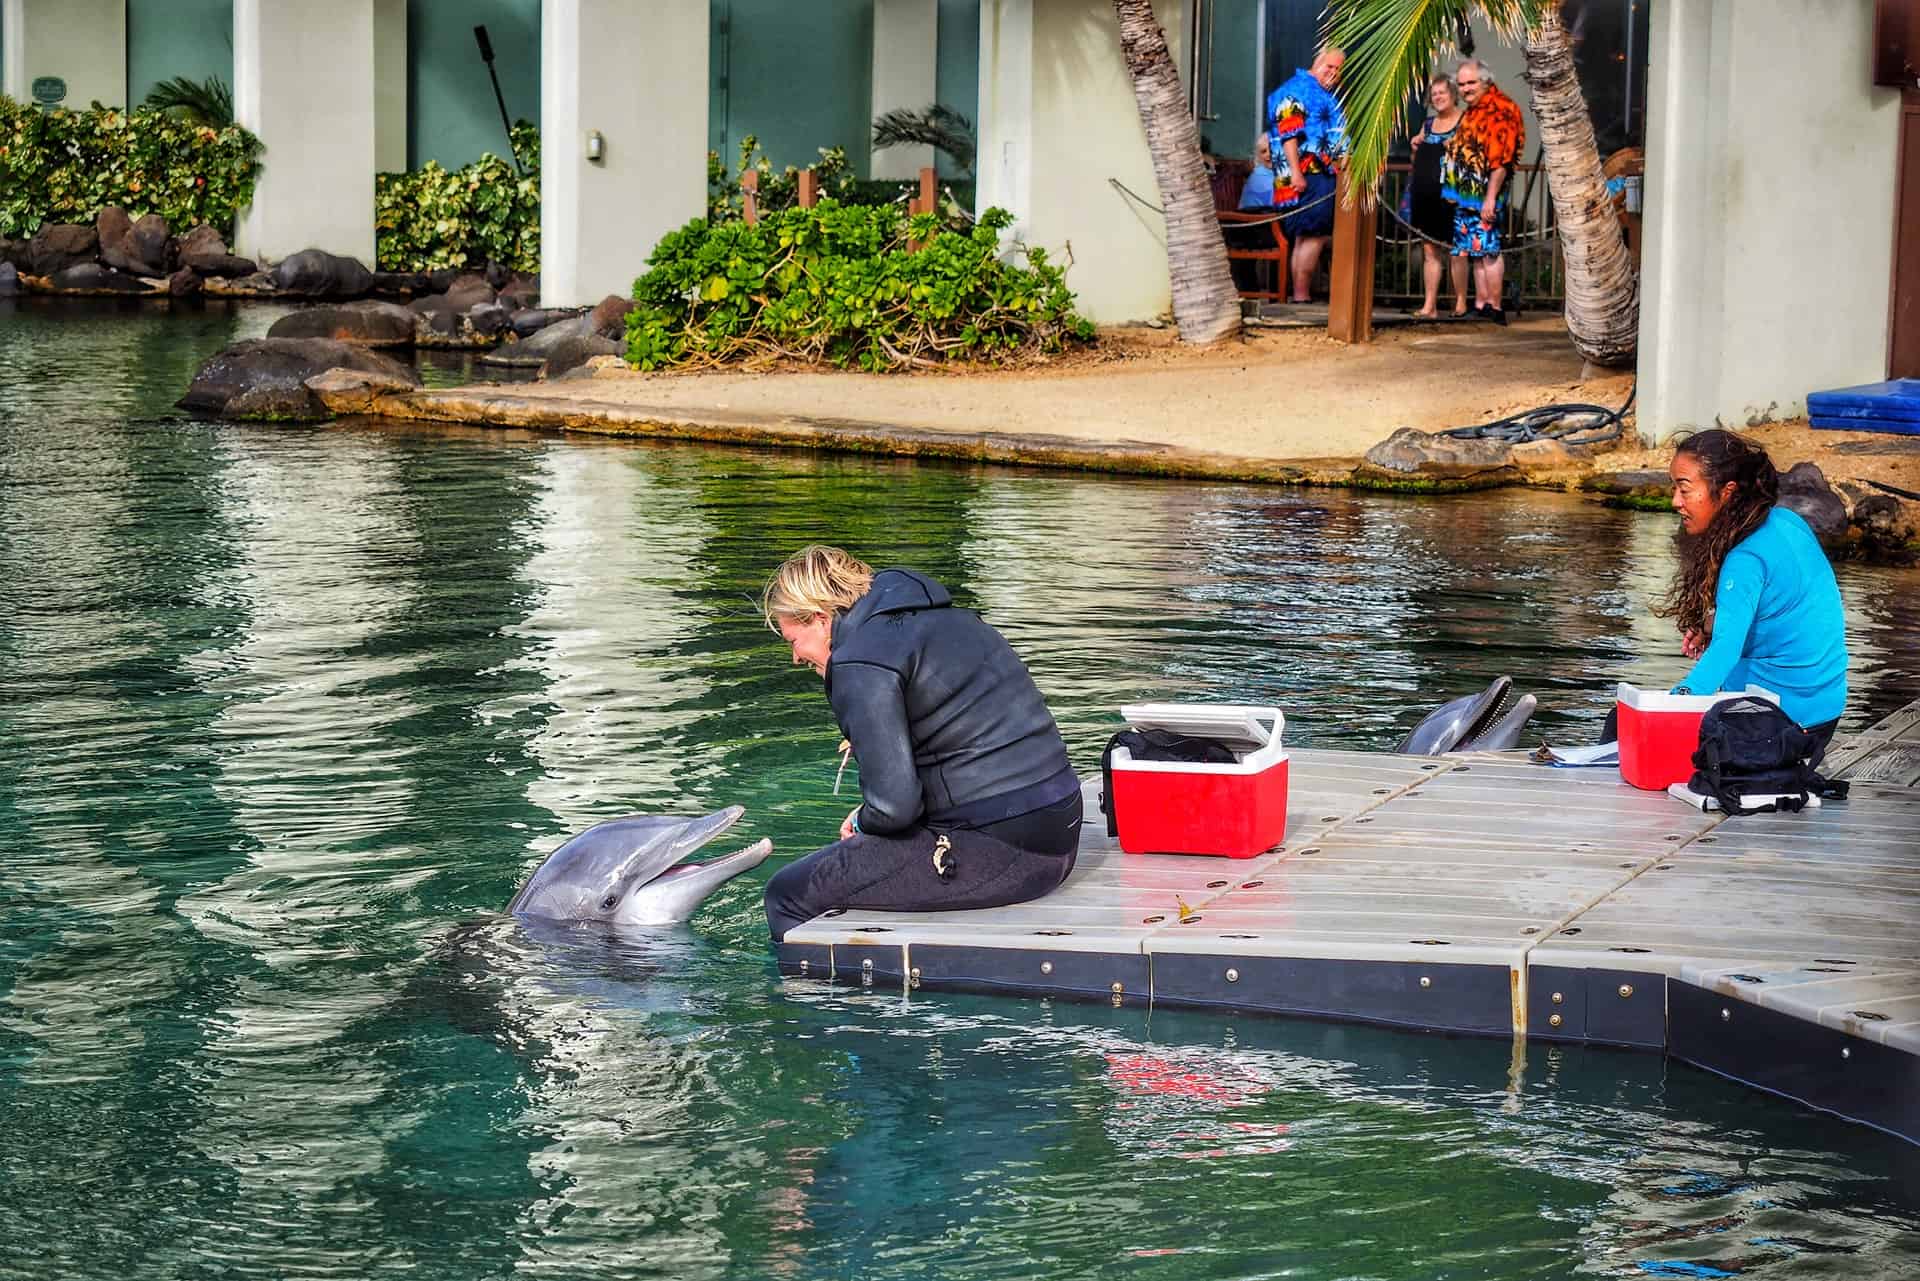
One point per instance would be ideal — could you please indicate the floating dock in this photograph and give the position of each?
(1484, 894)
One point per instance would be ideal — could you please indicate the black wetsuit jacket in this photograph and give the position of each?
(948, 727)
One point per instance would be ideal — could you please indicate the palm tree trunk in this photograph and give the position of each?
(1206, 306)
(1603, 290)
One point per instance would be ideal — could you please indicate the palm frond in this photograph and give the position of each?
(208, 102)
(1392, 47)
(937, 126)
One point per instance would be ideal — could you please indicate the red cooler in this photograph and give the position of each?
(1659, 732)
(1178, 807)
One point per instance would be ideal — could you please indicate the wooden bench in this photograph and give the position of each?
(1252, 244)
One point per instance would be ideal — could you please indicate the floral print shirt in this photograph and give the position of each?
(1489, 136)
(1302, 108)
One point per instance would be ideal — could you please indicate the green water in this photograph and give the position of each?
(286, 714)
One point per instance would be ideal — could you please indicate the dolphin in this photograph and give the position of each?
(1472, 723)
(633, 871)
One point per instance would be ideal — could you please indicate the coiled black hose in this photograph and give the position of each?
(1570, 424)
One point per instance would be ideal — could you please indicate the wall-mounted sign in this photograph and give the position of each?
(48, 90)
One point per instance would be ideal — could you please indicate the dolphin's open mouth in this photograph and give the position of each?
(1501, 692)
(686, 867)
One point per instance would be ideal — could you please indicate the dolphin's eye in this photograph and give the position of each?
(606, 904)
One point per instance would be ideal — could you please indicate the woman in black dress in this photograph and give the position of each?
(1430, 211)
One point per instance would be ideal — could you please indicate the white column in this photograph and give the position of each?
(1680, 286)
(633, 75)
(1057, 121)
(389, 85)
(1003, 164)
(83, 42)
(905, 54)
(303, 79)
(1769, 250)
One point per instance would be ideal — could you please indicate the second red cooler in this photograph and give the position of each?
(1659, 732)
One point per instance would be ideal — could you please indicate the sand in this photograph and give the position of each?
(1277, 395)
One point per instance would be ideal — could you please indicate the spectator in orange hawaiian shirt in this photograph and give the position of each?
(1478, 169)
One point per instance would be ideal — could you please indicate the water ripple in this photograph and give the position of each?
(287, 714)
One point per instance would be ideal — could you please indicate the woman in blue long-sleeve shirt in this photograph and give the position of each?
(1755, 598)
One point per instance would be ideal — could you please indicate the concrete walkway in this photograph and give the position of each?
(1282, 404)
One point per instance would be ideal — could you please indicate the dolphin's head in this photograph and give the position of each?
(1472, 723)
(632, 871)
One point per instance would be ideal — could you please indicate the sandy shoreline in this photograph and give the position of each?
(1280, 406)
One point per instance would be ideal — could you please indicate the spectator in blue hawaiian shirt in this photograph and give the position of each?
(1308, 132)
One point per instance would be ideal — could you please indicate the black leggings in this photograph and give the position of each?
(1011, 861)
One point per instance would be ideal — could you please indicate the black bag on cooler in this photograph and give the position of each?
(1156, 745)
(1750, 748)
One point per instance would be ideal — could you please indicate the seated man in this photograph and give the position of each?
(1257, 195)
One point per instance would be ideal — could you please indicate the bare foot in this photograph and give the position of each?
(1426, 315)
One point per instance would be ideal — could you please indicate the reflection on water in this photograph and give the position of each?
(286, 714)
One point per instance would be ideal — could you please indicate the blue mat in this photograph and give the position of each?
(1890, 406)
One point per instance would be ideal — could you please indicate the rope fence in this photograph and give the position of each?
(1535, 274)
(1284, 214)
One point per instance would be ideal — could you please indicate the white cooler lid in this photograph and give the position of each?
(1659, 700)
(1228, 722)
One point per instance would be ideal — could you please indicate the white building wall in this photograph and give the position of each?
(1057, 120)
(905, 62)
(303, 80)
(1769, 211)
(83, 42)
(634, 72)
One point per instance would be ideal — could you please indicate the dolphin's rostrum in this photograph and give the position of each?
(1473, 723)
(633, 871)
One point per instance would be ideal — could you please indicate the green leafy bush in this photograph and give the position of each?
(65, 166)
(482, 212)
(842, 284)
(777, 190)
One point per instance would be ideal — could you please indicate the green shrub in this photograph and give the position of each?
(839, 283)
(482, 212)
(777, 190)
(66, 166)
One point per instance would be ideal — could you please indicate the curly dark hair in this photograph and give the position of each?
(1722, 457)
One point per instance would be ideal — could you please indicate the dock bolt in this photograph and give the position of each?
(1726, 1015)
(1425, 981)
(1233, 976)
(1557, 998)
(1046, 967)
(1626, 990)
(1553, 1020)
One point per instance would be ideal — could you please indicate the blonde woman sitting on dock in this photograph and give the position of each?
(1755, 598)
(967, 799)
